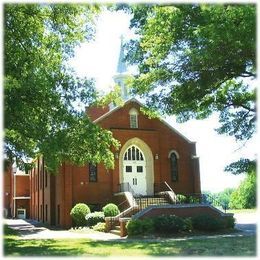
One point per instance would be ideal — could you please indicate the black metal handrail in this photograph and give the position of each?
(145, 201)
(202, 198)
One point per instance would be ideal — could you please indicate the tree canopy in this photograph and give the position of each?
(194, 60)
(41, 92)
(244, 197)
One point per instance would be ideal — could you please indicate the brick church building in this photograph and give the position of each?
(153, 157)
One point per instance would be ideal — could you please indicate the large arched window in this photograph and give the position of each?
(173, 156)
(133, 113)
(133, 153)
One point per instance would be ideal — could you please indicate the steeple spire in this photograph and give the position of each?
(121, 66)
(121, 73)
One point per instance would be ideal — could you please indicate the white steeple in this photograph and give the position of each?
(121, 73)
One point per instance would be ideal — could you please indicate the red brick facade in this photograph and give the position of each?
(52, 197)
(16, 193)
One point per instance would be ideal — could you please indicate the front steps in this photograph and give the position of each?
(142, 203)
(115, 230)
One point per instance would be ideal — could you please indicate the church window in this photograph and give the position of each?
(174, 166)
(133, 113)
(92, 173)
(133, 154)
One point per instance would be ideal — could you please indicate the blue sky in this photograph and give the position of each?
(98, 59)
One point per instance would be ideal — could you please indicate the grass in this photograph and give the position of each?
(228, 246)
(241, 210)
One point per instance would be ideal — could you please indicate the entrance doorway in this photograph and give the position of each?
(134, 170)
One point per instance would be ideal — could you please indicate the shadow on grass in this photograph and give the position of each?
(15, 247)
(246, 246)
(221, 246)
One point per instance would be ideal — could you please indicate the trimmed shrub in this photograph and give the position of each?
(94, 218)
(187, 224)
(140, 227)
(110, 210)
(229, 222)
(207, 223)
(78, 213)
(171, 224)
(101, 227)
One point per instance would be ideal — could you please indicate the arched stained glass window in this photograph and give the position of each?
(174, 166)
(133, 153)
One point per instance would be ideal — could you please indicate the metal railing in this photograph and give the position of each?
(124, 187)
(200, 198)
(163, 186)
(145, 201)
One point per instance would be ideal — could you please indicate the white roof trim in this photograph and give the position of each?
(139, 103)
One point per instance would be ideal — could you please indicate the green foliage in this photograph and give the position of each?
(140, 227)
(110, 210)
(229, 222)
(196, 59)
(93, 218)
(41, 92)
(181, 198)
(207, 223)
(168, 224)
(241, 166)
(101, 227)
(224, 196)
(78, 214)
(245, 196)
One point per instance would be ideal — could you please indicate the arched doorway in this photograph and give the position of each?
(136, 166)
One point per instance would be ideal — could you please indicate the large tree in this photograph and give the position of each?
(41, 92)
(194, 60)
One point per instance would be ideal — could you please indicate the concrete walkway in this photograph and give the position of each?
(29, 229)
(246, 222)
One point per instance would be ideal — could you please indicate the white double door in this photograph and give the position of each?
(135, 175)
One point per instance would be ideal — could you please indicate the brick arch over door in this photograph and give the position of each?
(149, 162)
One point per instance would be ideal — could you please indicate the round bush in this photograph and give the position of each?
(110, 210)
(94, 218)
(78, 213)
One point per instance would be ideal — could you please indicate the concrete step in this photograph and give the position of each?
(115, 231)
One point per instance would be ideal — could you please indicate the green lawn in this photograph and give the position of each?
(232, 246)
(241, 210)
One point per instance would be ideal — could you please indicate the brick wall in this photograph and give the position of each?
(181, 211)
(7, 190)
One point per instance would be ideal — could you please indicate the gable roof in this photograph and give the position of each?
(140, 104)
